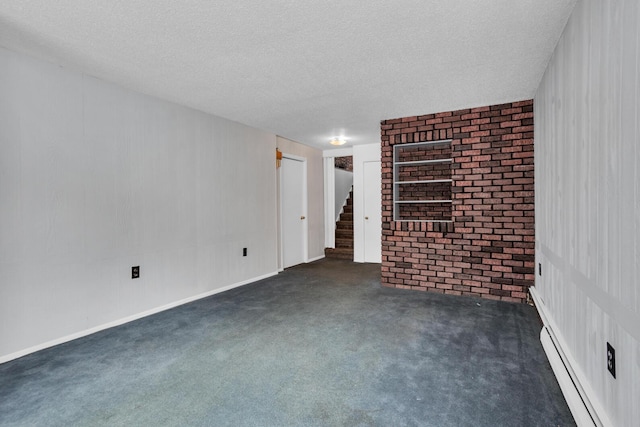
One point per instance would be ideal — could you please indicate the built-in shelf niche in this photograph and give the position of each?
(422, 181)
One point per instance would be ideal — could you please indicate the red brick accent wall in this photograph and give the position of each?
(488, 249)
(345, 163)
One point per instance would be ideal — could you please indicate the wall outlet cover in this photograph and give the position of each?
(135, 272)
(611, 360)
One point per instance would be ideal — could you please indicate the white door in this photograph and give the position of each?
(372, 212)
(293, 184)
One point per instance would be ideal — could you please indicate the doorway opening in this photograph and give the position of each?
(343, 210)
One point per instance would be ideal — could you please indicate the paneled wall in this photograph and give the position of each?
(587, 147)
(487, 248)
(95, 179)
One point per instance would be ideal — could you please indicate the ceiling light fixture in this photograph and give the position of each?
(337, 141)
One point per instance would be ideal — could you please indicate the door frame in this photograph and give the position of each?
(330, 192)
(364, 201)
(361, 153)
(305, 207)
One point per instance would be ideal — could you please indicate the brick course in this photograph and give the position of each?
(488, 249)
(345, 163)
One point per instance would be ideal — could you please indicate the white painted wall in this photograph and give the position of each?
(361, 154)
(587, 156)
(315, 193)
(343, 183)
(95, 179)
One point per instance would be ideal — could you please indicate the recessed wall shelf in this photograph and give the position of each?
(422, 181)
(424, 201)
(424, 162)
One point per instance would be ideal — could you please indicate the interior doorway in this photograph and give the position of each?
(293, 196)
(372, 212)
(340, 245)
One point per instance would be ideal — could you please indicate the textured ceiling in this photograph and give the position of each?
(305, 70)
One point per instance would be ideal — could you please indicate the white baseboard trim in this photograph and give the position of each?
(580, 398)
(20, 353)
(315, 259)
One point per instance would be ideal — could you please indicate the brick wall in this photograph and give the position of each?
(345, 163)
(488, 248)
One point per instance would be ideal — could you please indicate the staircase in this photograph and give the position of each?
(344, 233)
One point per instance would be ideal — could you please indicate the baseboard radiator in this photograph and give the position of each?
(581, 400)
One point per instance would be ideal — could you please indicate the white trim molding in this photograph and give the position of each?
(338, 152)
(329, 202)
(62, 340)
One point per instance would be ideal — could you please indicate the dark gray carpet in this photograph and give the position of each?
(321, 344)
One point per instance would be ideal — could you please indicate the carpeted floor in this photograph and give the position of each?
(321, 344)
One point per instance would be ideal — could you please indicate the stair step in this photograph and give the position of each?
(340, 253)
(344, 225)
(344, 243)
(345, 233)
